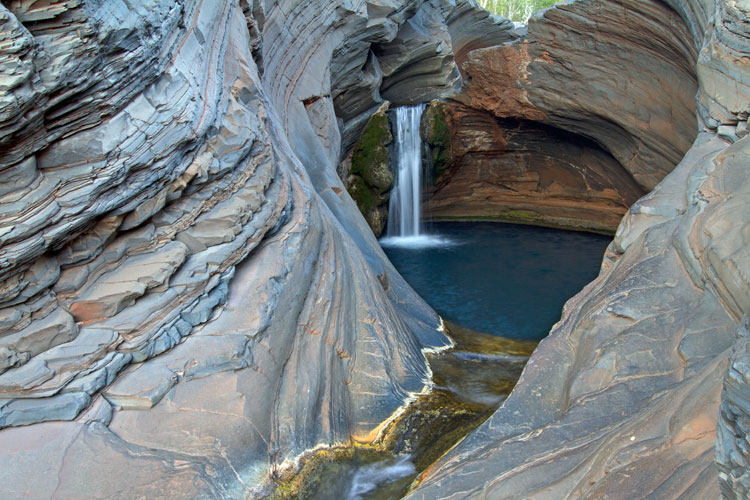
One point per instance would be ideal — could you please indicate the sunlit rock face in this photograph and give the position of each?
(621, 400)
(190, 299)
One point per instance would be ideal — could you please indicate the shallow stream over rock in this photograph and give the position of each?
(510, 280)
(470, 382)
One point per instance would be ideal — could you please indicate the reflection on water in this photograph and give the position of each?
(419, 242)
(504, 279)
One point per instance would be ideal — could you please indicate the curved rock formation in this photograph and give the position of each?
(620, 73)
(621, 400)
(520, 171)
(190, 299)
(732, 445)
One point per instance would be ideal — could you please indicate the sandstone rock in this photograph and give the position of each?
(633, 95)
(489, 168)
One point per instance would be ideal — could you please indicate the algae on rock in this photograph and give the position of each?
(368, 177)
(436, 133)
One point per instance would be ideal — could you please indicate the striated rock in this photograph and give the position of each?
(732, 450)
(624, 76)
(407, 54)
(189, 298)
(621, 400)
(504, 169)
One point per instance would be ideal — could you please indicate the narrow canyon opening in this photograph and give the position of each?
(497, 213)
(215, 281)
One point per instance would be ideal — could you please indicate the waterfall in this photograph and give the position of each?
(405, 208)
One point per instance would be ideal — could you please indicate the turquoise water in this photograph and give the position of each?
(504, 279)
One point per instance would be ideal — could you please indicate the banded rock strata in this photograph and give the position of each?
(190, 300)
(521, 171)
(621, 400)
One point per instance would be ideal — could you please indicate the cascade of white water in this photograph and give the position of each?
(405, 208)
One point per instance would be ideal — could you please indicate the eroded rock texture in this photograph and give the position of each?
(621, 73)
(505, 169)
(732, 445)
(189, 297)
(621, 400)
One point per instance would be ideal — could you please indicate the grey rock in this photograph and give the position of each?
(28, 411)
(42, 334)
(146, 156)
(732, 447)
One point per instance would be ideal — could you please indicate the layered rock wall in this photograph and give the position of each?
(620, 73)
(732, 446)
(190, 299)
(488, 168)
(622, 399)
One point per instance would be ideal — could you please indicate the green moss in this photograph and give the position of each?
(370, 175)
(439, 139)
(428, 428)
(371, 150)
(537, 220)
(519, 213)
(293, 485)
(363, 195)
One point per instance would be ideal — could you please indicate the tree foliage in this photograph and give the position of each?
(516, 10)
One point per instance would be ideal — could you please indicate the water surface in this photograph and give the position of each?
(505, 279)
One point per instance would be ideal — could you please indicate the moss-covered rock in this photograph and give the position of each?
(436, 133)
(370, 179)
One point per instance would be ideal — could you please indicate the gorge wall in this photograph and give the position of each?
(190, 299)
(513, 170)
(621, 400)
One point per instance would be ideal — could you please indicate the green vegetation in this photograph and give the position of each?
(516, 10)
(439, 139)
(370, 177)
(363, 195)
(427, 429)
(371, 150)
(519, 213)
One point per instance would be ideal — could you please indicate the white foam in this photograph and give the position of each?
(369, 477)
(416, 242)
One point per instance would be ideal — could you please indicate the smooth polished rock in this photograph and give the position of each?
(171, 223)
(622, 399)
(624, 76)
